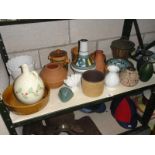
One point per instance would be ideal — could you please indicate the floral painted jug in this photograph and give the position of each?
(28, 87)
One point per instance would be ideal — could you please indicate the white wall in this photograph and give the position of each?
(39, 39)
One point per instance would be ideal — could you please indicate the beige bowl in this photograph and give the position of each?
(92, 83)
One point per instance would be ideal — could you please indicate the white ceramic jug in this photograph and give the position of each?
(112, 77)
(28, 87)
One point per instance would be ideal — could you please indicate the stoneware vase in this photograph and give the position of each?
(100, 60)
(28, 87)
(129, 77)
(53, 75)
(112, 77)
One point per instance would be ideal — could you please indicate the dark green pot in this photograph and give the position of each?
(145, 71)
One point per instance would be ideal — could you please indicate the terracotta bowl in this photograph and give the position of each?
(20, 108)
(92, 83)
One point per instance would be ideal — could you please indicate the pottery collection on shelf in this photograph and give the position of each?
(91, 71)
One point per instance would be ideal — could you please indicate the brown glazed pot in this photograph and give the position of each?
(53, 75)
(122, 48)
(92, 83)
(59, 56)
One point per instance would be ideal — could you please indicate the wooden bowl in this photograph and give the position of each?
(92, 83)
(20, 108)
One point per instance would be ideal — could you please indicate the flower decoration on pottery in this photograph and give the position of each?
(72, 81)
(28, 87)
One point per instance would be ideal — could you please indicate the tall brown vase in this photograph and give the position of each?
(100, 60)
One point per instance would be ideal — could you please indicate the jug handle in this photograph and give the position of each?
(35, 74)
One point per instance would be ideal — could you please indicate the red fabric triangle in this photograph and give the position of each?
(123, 112)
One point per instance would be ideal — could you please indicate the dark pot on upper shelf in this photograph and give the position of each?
(145, 68)
(121, 48)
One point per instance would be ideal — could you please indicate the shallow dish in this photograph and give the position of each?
(121, 63)
(20, 108)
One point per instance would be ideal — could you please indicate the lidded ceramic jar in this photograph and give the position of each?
(28, 87)
(112, 77)
(59, 56)
(129, 77)
(53, 75)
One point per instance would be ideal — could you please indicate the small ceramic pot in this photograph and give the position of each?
(129, 77)
(112, 77)
(53, 75)
(65, 94)
(59, 56)
(92, 83)
(121, 48)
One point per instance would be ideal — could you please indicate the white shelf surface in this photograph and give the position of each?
(54, 104)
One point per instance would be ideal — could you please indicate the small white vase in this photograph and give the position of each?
(28, 87)
(112, 77)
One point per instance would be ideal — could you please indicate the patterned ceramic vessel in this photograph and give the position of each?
(129, 77)
(28, 87)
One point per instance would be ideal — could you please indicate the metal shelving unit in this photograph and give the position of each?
(11, 126)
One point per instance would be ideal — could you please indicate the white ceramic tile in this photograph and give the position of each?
(146, 25)
(149, 37)
(33, 53)
(135, 40)
(95, 29)
(44, 53)
(105, 46)
(36, 35)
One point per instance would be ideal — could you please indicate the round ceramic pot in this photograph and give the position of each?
(121, 48)
(112, 77)
(28, 87)
(53, 75)
(59, 56)
(92, 83)
(129, 77)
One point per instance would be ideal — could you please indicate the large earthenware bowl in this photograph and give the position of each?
(20, 108)
(92, 83)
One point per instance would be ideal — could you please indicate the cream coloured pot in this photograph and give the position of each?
(28, 87)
